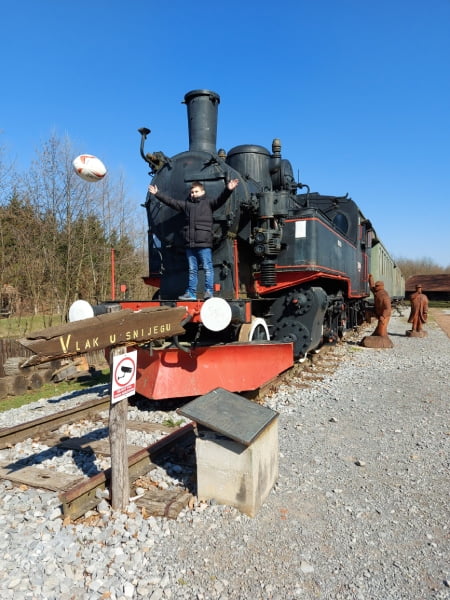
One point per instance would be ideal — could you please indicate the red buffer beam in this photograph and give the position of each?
(236, 367)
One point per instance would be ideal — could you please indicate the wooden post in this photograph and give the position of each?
(120, 481)
(113, 275)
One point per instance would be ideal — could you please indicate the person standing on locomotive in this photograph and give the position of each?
(198, 211)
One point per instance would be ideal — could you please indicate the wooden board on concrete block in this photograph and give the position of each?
(229, 414)
(103, 331)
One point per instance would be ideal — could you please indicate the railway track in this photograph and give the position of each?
(84, 496)
(81, 494)
(42, 426)
(78, 495)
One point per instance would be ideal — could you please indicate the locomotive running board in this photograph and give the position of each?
(236, 367)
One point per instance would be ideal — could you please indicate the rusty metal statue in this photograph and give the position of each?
(382, 311)
(419, 313)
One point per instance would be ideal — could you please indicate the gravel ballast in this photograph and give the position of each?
(360, 510)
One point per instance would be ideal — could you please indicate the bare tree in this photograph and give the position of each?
(22, 263)
(57, 232)
(422, 266)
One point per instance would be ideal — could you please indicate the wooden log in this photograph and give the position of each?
(4, 389)
(11, 366)
(53, 365)
(64, 373)
(35, 381)
(13, 385)
(46, 375)
(19, 385)
(13, 369)
(81, 363)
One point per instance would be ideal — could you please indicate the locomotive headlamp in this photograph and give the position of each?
(216, 314)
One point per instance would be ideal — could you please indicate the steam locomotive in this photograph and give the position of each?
(291, 266)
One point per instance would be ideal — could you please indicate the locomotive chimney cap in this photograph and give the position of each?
(194, 93)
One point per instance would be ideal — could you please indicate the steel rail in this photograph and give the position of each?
(12, 435)
(82, 497)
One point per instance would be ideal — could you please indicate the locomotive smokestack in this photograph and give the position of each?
(202, 120)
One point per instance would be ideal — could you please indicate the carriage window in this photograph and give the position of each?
(340, 221)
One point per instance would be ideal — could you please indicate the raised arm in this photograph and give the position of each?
(232, 184)
(176, 204)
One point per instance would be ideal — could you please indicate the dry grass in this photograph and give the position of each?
(16, 327)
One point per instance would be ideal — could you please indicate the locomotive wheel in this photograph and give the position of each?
(295, 332)
(257, 330)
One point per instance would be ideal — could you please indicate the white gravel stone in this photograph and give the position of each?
(359, 511)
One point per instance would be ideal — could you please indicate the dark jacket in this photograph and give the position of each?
(198, 215)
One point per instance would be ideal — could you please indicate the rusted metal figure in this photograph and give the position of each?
(382, 303)
(383, 311)
(419, 312)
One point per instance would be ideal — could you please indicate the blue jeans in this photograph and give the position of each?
(204, 257)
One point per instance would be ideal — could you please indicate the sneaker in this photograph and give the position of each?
(187, 296)
(207, 295)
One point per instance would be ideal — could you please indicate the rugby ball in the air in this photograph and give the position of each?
(89, 167)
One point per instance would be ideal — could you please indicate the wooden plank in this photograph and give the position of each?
(83, 496)
(98, 447)
(38, 477)
(125, 327)
(143, 426)
(149, 427)
(164, 503)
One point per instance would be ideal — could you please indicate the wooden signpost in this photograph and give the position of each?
(125, 327)
(118, 412)
(117, 331)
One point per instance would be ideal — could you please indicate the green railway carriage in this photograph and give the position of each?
(384, 268)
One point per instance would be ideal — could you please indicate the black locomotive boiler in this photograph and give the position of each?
(291, 266)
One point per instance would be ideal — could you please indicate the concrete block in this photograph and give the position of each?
(235, 474)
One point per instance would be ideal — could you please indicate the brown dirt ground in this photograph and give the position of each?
(442, 318)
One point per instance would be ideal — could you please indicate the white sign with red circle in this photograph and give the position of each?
(123, 380)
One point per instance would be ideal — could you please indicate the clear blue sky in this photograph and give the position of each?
(358, 91)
